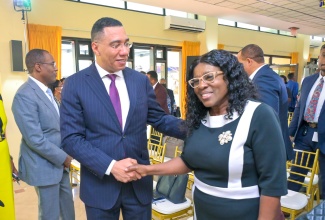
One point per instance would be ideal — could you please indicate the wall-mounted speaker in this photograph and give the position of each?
(17, 55)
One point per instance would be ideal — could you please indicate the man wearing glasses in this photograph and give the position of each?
(105, 110)
(270, 87)
(42, 162)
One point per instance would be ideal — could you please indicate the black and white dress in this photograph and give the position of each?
(230, 178)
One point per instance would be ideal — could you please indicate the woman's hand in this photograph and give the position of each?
(140, 169)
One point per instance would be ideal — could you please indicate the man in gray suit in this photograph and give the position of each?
(42, 162)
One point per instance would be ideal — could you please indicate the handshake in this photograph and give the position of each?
(128, 170)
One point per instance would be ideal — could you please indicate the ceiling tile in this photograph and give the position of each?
(225, 4)
(266, 13)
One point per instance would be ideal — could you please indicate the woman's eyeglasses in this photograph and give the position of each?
(206, 78)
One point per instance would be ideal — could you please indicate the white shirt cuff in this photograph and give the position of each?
(109, 169)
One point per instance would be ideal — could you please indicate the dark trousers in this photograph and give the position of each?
(127, 203)
(304, 142)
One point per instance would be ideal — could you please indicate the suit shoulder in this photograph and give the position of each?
(24, 88)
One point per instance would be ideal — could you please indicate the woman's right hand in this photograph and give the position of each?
(139, 168)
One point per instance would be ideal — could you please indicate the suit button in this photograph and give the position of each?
(124, 137)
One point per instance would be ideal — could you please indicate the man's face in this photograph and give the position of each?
(151, 80)
(321, 61)
(162, 81)
(111, 50)
(46, 70)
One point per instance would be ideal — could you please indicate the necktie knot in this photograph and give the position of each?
(112, 77)
(49, 92)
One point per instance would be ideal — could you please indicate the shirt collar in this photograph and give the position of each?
(154, 86)
(40, 84)
(320, 76)
(254, 73)
(103, 73)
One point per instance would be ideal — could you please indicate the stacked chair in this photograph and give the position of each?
(295, 203)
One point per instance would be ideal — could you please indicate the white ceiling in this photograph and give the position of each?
(277, 14)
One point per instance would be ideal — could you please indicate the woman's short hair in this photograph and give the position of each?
(240, 88)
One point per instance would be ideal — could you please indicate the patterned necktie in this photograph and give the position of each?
(311, 109)
(115, 98)
(49, 92)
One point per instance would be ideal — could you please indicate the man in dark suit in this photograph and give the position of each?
(41, 158)
(105, 110)
(307, 128)
(294, 87)
(170, 93)
(270, 86)
(160, 90)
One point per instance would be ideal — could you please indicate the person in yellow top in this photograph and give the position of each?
(7, 207)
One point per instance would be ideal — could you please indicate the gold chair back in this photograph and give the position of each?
(156, 152)
(309, 162)
(155, 137)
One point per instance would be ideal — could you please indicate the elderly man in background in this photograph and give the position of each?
(42, 162)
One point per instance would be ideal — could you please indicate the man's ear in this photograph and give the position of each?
(37, 67)
(94, 47)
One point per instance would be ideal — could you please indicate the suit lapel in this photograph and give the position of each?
(41, 95)
(308, 88)
(131, 87)
(96, 84)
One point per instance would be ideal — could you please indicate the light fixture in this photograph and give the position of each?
(293, 30)
(22, 5)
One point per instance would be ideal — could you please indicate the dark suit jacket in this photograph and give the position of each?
(293, 86)
(272, 91)
(161, 96)
(171, 96)
(91, 132)
(298, 115)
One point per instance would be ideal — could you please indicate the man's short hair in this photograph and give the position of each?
(34, 56)
(253, 52)
(97, 29)
(291, 75)
(153, 75)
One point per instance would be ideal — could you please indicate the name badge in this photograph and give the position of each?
(315, 137)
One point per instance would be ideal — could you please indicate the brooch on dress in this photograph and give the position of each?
(225, 137)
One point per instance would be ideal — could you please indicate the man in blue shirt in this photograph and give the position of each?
(293, 86)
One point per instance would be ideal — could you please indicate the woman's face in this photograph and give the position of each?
(58, 90)
(212, 94)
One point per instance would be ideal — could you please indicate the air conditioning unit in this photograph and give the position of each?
(315, 43)
(184, 24)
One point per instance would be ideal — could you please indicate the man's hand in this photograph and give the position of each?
(140, 169)
(67, 162)
(291, 138)
(118, 170)
(13, 168)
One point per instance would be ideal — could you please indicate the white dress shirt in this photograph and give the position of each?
(254, 73)
(124, 97)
